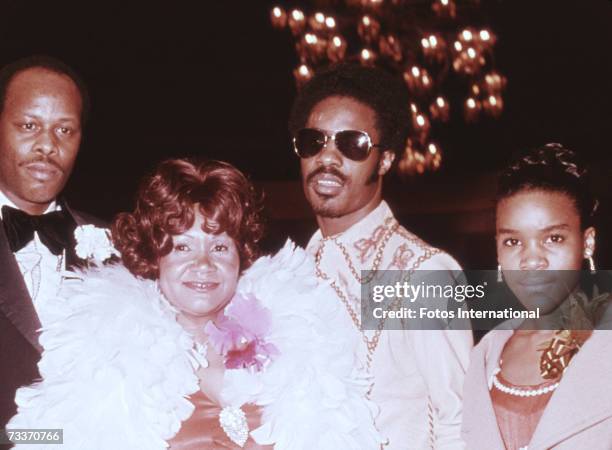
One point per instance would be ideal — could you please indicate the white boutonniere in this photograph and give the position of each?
(94, 243)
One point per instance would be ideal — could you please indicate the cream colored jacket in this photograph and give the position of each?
(578, 415)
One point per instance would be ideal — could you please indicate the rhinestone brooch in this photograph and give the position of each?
(234, 423)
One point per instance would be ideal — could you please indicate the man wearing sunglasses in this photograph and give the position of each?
(348, 126)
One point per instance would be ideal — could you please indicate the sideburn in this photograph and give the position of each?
(373, 178)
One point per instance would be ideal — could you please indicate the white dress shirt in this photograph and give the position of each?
(41, 269)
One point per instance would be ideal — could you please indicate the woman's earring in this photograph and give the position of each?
(588, 254)
(500, 277)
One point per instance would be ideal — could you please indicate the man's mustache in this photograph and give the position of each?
(329, 170)
(46, 160)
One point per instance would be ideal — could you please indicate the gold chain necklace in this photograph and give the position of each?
(428, 252)
(377, 258)
(371, 344)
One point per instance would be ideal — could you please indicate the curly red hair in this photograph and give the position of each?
(165, 206)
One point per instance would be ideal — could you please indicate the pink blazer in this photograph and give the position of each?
(578, 415)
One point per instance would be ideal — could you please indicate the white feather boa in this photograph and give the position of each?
(117, 367)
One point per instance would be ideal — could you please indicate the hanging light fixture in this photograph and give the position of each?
(427, 42)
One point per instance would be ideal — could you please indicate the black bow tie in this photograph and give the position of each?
(55, 229)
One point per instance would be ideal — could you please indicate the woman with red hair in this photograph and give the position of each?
(191, 343)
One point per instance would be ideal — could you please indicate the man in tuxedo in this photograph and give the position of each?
(43, 106)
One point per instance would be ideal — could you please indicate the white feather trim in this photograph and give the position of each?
(313, 393)
(116, 367)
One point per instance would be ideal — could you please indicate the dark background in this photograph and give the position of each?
(213, 78)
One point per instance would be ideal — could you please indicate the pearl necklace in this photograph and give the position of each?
(521, 392)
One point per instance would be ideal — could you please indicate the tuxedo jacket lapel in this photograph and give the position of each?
(583, 397)
(15, 301)
(19, 327)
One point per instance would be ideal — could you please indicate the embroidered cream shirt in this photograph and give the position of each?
(415, 372)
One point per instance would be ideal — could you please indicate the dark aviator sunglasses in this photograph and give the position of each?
(355, 145)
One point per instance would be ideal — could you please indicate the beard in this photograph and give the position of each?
(334, 207)
(327, 210)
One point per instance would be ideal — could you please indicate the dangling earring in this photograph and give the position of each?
(589, 256)
(500, 277)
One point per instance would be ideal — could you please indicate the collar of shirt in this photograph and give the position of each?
(366, 228)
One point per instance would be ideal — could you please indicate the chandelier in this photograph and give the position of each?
(439, 47)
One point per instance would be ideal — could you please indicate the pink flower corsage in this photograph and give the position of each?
(239, 334)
